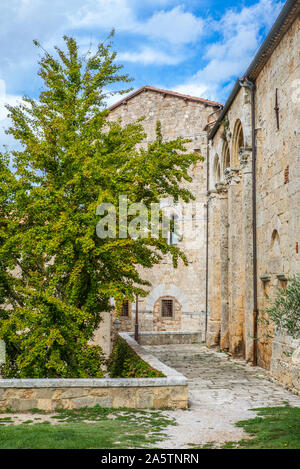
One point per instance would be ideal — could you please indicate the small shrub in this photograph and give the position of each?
(125, 363)
(284, 310)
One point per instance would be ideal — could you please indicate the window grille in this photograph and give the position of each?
(167, 308)
(125, 308)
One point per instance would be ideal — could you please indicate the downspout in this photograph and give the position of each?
(207, 218)
(207, 221)
(245, 82)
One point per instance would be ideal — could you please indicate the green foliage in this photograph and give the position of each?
(71, 160)
(273, 428)
(125, 363)
(226, 134)
(87, 428)
(46, 337)
(284, 310)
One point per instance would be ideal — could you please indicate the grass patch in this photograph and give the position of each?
(273, 428)
(89, 428)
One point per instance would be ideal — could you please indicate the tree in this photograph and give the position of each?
(284, 310)
(73, 159)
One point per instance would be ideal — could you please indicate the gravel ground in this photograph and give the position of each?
(221, 392)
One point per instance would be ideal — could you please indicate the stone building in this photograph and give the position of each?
(254, 201)
(176, 300)
(248, 191)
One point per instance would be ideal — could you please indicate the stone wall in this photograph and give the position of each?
(278, 207)
(190, 321)
(285, 361)
(166, 338)
(230, 232)
(103, 335)
(53, 397)
(278, 200)
(186, 284)
(139, 393)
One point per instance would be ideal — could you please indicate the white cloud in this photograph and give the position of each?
(103, 14)
(175, 26)
(230, 56)
(147, 56)
(6, 98)
(193, 89)
(163, 32)
(4, 120)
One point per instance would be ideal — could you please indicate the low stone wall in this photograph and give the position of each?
(285, 361)
(140, 393)
(168, 337)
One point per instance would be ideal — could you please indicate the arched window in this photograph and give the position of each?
(275, 244)
(238, 141)
(226, 156)
(216, 170)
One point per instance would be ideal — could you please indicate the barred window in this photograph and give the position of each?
(167, 308)
(125, 308)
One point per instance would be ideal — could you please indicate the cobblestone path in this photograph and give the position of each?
(221, 392)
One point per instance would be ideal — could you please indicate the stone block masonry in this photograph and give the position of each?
(180, 116)
(166, 338)
(139, 393)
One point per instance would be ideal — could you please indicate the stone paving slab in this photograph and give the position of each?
(221, 392)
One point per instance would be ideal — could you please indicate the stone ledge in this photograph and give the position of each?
(165, 332)
(166, 338)
(92, 383)
(141, 393)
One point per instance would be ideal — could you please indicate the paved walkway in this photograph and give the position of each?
(221, 392)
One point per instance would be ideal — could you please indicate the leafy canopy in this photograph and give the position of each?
(73, 159)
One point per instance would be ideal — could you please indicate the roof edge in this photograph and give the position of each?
(165, 92)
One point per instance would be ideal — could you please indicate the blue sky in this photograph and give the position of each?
(197, 47)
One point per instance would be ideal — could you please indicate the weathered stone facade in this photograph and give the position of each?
(246, 214)
(278, 208)
(183, 116)
(140, 393)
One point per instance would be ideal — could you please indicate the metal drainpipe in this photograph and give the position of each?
(207, 217)
(245, 82)
(217, 110)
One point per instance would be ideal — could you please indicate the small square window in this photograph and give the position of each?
(167, 308)
(125, 308)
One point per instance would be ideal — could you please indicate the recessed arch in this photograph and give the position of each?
(225, 157)
(216, 170)
(237, 142)
(164, 291)
(275, 244)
